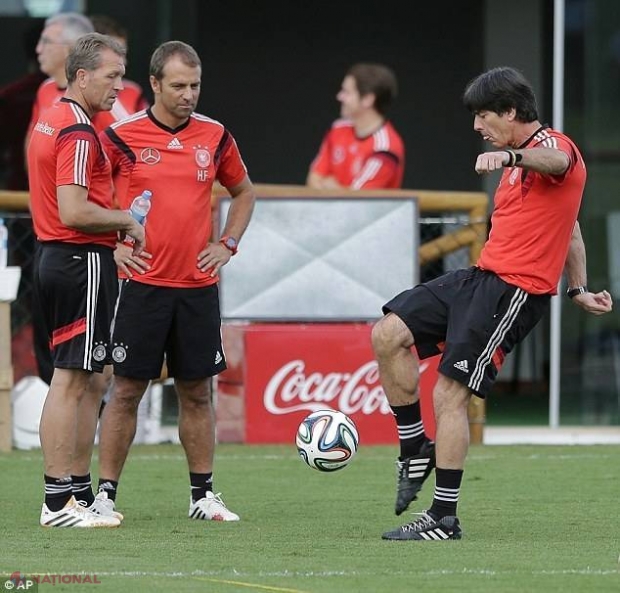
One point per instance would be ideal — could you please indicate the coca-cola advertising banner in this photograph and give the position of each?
(291, 370)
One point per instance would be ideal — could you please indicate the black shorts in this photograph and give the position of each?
(77, 286)
(182, 324)
(473, 317)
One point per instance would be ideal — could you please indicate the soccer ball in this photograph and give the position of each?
(327, 440)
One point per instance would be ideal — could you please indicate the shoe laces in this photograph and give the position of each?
(82, 508)
(107, 503)
(420, 524)
(217, 498)
(92, 509)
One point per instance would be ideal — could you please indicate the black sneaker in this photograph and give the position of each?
(412, 471)
(427, 528)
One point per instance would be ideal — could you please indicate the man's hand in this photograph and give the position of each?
(596, 303)
(127, 262)
(212, 258)
(491, 161)
(137, 233)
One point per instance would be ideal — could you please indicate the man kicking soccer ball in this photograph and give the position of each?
(476, 316)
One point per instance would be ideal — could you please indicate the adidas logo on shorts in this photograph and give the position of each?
(218, 357)
(461, 365)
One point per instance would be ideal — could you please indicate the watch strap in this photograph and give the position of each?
(573, 292)
(514, 158)
(230, 243)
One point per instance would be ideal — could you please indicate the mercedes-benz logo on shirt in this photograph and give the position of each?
(150, 156)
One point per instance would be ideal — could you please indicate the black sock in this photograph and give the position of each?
(201, 484)
(410, 428)
(57, 492)
(447, 487)
(108, 486)
(83, 489)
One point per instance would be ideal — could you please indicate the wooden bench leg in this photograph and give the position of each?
(6, 377)
(477, 416)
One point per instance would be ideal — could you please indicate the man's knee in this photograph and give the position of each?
(449, 395)
(128, 393)
(389, 334)
(194, 393)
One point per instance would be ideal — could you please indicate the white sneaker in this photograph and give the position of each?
(75, 515)
(211, 508)
(104, 506)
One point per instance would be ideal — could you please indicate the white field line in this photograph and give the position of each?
(586, 571)
(292, 456)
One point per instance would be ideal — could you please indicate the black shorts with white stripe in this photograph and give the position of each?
(473, 317)
(78, 288)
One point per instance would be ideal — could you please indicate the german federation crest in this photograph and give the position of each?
(203, 158)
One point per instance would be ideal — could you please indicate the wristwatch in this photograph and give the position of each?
(573, 292)
(230, 243)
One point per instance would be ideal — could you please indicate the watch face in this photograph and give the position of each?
(230, 243)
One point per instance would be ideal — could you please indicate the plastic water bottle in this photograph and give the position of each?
(140, 206)
(4, 244)
(139, 209)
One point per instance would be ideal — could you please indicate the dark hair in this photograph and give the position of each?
(108, 26)
(500, 90)
(86, 53)
(378, 80)
(169, 49)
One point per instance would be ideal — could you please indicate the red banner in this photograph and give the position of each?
(288, 371)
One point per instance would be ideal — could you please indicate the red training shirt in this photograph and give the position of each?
(179, 166)
(48, 94)
(64, 150)
(533, 219)
(376, 161)
(129, 101)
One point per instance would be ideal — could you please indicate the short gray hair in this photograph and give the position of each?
(73, 25)
(86, 53)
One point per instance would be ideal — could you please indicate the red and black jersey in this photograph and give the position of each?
(179, 167)
(376, 161)
(64, 150)
(533, 219)
(48, 94)
(129, 101)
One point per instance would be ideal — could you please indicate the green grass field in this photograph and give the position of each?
(535, 519)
